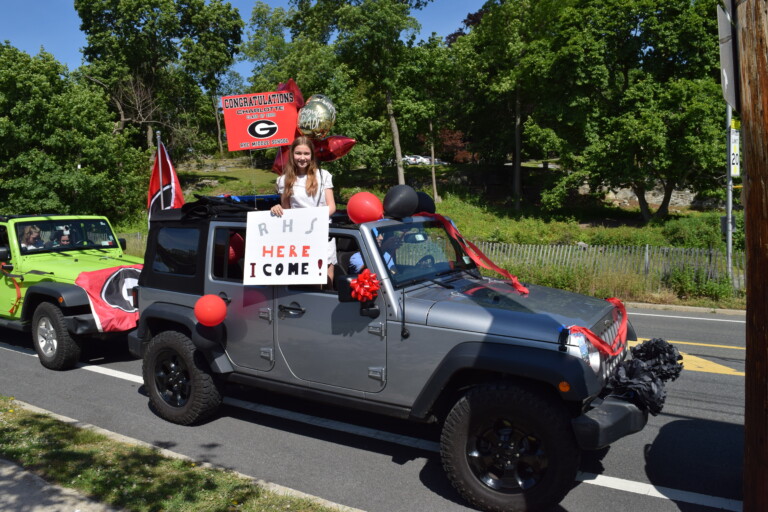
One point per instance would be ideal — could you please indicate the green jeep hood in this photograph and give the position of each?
(66, 266)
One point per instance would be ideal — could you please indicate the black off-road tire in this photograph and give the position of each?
(507, 448)
(56, 348)
(179, 382)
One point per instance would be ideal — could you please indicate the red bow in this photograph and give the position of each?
(600, 344)
(365, 286)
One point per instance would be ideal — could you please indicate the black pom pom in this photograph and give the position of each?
(661, 358)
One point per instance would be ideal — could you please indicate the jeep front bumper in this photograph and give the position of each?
(610, 419)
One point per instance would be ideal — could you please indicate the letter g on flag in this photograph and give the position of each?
(262, 129)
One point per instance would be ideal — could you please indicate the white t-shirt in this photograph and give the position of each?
(300, 198)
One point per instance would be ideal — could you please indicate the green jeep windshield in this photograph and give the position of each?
(64, 235)
(420, 252)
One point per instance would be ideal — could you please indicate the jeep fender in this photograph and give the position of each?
(546, 366)
(64, 295)
(209, 340)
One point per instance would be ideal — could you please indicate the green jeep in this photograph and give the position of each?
(63, 277)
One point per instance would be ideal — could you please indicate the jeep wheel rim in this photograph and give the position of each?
(172, 379)
(46, 336)
(505, 458)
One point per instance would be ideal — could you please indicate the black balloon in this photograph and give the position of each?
(401, 201)
(425, 204)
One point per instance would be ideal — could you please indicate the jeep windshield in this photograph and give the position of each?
(64, 234)
(417, 252)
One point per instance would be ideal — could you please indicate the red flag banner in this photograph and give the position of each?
(109, 292)
(173, 197)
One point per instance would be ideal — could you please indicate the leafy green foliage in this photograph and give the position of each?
(689, 282)
(58, 151)
(161, 63)
(694, 231)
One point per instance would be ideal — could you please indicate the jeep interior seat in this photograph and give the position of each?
(345, 248)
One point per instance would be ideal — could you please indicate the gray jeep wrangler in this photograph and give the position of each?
(518, 394)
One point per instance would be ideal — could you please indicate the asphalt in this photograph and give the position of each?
(24, 491)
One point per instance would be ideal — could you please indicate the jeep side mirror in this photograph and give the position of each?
(345, 290)
(5, 253)
(369, 308)
(123, 243)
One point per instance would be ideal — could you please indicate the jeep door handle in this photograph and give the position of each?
(290, 310)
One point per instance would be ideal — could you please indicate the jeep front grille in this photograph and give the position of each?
(607, 328)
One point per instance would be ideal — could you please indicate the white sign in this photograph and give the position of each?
(287, 250)
(735, 168)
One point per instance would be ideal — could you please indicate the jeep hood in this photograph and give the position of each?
(66, 266)
(494, 307)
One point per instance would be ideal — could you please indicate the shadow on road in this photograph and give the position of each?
(699, 456)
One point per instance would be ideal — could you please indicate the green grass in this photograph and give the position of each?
(134, 478)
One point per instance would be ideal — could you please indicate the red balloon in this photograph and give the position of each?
(210, 310)
(333, 147)
(364, 207)
(236, 248)
(281, 158)
(290, 86)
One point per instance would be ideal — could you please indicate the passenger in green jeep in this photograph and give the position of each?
(30, 239)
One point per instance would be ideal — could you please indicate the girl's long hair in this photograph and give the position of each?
(290, 168)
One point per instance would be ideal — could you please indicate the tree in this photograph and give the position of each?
(357, 70)
(136, 47)
(58, 150)
(498, 66)
(370, 42)
(634, 98)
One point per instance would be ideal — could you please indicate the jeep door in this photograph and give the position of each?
(328, 342)
(249, 327)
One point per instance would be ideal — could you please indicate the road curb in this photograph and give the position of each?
(689, 309)
(276, 488)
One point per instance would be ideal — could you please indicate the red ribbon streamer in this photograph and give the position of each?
(601, 345)
(474, 253)
(15, 304)
(365, 286)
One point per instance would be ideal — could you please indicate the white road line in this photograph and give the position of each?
(431, 446)
(631, 314)
(660, 492)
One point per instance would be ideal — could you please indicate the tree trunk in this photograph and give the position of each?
(752, 37)
(663, 210)
(217, 114)
(517, 184)
(395, 140)
(645, 210)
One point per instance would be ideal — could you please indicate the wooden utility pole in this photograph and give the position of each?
(752, 36)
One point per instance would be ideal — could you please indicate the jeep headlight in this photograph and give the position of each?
(589, 354)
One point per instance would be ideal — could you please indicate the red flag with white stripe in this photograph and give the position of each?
(172, 196)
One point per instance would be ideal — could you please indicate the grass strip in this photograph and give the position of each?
(132, 477)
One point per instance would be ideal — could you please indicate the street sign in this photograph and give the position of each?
(734, 160)
(728, 68)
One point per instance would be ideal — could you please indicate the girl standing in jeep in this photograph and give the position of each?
(303, 185)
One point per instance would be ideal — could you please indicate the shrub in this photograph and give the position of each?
(694, 231)
(689, 282)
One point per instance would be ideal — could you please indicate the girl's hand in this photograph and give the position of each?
(277, 210)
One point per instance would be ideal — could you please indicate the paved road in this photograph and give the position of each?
(688, 458)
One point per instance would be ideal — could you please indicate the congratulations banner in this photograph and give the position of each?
(261, 120)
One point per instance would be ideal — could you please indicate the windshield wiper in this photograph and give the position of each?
(444, 285)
